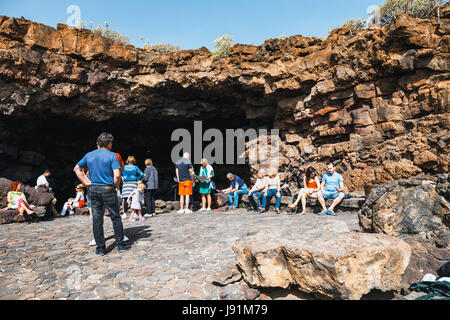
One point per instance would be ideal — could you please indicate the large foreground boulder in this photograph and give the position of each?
(328, 261)
(410, 206)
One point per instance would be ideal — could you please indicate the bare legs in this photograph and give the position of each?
(182, 202)
(322, 201)
(25, 207)
(336, 201)
(302, 196)
(204, 198)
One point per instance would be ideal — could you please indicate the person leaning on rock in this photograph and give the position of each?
(104, 181)
(332, 188)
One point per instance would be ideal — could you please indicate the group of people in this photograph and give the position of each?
(102, 171)
(16, 197)
(185, 175)
(268, 185)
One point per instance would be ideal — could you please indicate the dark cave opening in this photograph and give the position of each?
(29, 145)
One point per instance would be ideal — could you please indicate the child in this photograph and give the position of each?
(78, 202)
(136, 199)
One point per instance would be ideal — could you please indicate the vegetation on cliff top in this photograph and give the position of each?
(224, 47)
(105, 32)
(391, 9)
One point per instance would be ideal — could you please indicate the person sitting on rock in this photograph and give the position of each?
(78, 202)
(272, 188)
(17, 200)
(237, 188)
(256, 191)
(311, 188)
(332, 188)
(42, 182)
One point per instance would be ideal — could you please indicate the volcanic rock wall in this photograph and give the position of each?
(374, 102)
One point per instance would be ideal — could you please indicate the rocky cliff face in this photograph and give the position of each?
(374, 102)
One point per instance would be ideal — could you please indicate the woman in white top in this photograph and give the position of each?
(78, 202)
(257, 191)
(272, 188)
(206, 173)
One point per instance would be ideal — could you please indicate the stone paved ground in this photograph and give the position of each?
(171, 257)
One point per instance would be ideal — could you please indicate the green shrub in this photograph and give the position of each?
(424, 9)
(224, 47)
(105, 32)
(161, 48)
(355, 24)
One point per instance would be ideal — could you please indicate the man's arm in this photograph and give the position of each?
(81, 176)
(117, 176)
(146, 175)
(176, 173)
(341, 187)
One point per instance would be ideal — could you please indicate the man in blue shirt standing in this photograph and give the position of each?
(237, 188)
(104, 180)
(332, 188)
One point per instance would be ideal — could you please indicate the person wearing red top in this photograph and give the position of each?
(311, 183)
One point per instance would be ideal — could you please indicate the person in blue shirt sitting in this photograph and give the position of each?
(332, 188)
(237, 188)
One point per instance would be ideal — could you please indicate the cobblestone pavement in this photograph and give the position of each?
(171, 256)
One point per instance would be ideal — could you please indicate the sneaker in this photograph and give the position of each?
(92, 243)
(331, 213)
(135, 216)
(123, 248)
(141, 219)
(147, 215)
(125, 238)
(180, 211)
(208, 210)
(323, 213)
(124, 216)
(100, 253)
(188, 211)
(202, 209)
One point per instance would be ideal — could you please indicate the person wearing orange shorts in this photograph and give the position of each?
(185, 188)
(183, 171)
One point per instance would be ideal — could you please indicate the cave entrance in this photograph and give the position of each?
(63, 141)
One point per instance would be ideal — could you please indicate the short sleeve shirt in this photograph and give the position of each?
(100, 164)
(42, 180)
(183, 166)
(237, 181)
(332, 181)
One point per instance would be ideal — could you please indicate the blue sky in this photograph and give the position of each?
(192, 24)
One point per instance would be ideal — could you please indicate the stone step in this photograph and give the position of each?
(352, 203)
